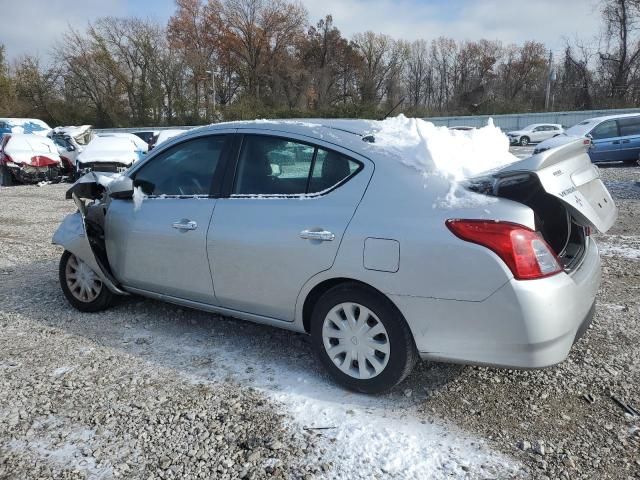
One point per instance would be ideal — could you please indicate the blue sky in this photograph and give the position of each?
(33, 26)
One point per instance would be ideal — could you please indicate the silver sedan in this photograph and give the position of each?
(312, 228)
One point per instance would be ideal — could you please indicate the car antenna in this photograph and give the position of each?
(394, 107)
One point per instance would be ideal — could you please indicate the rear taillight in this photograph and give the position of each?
(523, 250)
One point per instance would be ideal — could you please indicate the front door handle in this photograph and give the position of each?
(616, 142)
(626, 141)
(185, 225)
(322, 235)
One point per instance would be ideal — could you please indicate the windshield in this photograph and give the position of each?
(581, 129)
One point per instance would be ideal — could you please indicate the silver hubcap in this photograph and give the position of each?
(356, 340)
(81, 280)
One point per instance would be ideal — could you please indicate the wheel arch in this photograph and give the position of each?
(324, 286)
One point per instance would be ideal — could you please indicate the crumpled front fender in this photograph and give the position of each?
(71, 235)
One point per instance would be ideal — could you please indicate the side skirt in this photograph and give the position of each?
(274, 322)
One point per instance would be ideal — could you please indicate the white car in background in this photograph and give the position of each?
(167, 134)
(534, 133)
(71, 141)
(108, 154)
(28, 158)
(140, 144)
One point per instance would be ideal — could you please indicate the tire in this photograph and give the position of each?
(373, 309)
(99, 298)
(631, 163)
(6, 179)
(524, 141)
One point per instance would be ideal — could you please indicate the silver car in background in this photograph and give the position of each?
(313, 229)
(534, 133)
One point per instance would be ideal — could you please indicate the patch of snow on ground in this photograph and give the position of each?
(61, 371)
(626, 246)
(63, 452)
(626, 251)
(363, 436)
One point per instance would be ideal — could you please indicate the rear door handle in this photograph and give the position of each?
(616, 142)
(322, 235)
(185, 225)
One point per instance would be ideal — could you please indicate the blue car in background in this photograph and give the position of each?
(614, 138)
(23, 125)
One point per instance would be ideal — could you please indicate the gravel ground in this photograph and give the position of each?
(149, 390)
(71, 406)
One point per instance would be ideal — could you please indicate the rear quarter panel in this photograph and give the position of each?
(411, 209)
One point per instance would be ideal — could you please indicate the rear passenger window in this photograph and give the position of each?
(272, 166)
(329, 169)
(278, 166)
(629, 126)
(606, 129)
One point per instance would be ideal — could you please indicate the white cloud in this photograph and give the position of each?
(547, 21)
(32, 27)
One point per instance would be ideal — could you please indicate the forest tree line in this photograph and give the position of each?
(245, 59)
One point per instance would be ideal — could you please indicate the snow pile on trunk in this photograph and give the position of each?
(454, 154)
(451, 155)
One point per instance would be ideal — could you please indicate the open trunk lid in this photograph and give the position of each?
(566, 172)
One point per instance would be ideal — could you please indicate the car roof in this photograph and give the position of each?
(340, 131)
(610, 117)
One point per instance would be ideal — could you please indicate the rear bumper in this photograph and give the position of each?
(524, 324)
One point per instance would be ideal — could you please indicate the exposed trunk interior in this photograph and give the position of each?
(552, 218)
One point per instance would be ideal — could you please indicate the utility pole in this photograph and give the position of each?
(549, 78)
(213, 89)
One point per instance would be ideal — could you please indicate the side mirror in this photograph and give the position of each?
(121, 188)
(275, 170)
(71, 148)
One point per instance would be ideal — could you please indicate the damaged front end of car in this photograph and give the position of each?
(82, 232)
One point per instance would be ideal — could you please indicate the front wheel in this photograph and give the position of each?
(6, 179)
(524, 141)
(81, 286)
(362, 339)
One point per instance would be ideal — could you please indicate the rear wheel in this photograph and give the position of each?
(631, 162)
(6, 179)
(81, 286)
(362, 339)
(524, 141)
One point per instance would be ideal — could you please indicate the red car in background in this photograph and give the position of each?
(28, 158)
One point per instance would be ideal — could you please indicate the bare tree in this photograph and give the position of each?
(621, 55)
